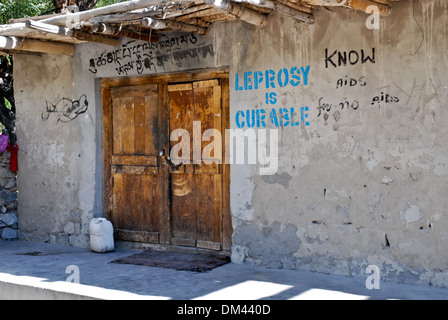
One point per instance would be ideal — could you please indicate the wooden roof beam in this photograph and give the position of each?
(185, 11)
(239, 11)
(29, 45)
(65, 32)
(195, 21)
(72, 19)
(122, 17)
(115, 31)
(198, 14)
(360, 5)
(296, 6)
(168, 24)
(280, 7)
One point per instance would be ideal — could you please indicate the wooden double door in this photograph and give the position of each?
(148, 195)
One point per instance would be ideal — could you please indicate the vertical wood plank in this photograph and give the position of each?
(117, 201)
(226, 214)
(140, 125)
(209, 206)
(181, 112)
(164, 143)
(107, 150)
(207, 179)
(152, 117)
(127, 126)
(184, 206)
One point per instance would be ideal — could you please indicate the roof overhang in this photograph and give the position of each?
(145, 19)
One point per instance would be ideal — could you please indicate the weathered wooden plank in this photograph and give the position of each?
(180, 87)
(210, 245)
(296, 6)
(137, 236)
(207, 96)
(175, 25)
(151, 124)
(207, 11)
(119, 109)
(135, 170)
(69, 20)
(238, 10)
(206, 84)
(293, 10)
(186, 12)
(30, 45)
(126, 160)
(361, 5)
(184, 206)
(183, 242)
(227, 228)
(196, 21)
(119, 32)
(164, 144)
(107, 152)
(140, 125)
(126, 111)
(71, 33)
(118, 202)
(208, 201)
(181, 110)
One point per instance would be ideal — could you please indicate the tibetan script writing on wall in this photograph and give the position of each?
(136, 57)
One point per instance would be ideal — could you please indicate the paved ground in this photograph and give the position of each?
(31, 270)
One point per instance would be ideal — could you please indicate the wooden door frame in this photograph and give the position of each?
(163, 80)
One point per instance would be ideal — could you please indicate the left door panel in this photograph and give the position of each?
(138, 181)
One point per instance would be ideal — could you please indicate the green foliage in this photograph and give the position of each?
(103, 3)
(10, 9)
(13, 9)
(8, 104)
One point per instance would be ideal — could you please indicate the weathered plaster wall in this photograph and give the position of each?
(56, 181)
(363, 183)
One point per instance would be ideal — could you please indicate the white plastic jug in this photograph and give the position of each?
(101, 235)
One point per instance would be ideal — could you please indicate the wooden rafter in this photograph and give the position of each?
(361, 5)
(115, 31)
(65, 32)
(239, 11)
(168, 24)
(29, 45)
